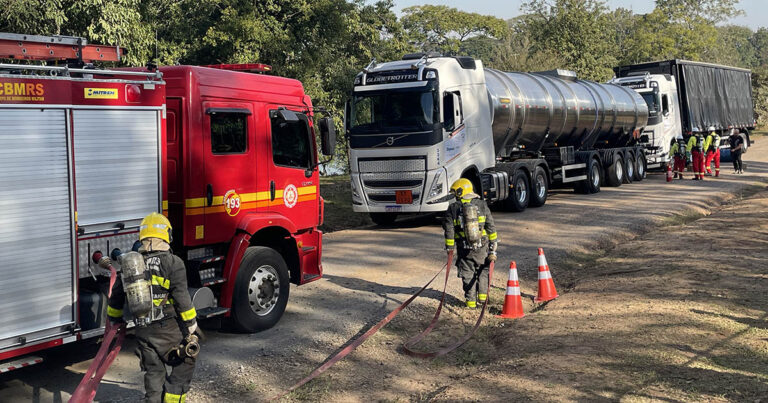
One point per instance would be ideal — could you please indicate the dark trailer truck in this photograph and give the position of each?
(686, 97)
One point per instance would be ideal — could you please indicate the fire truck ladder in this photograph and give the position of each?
(56, 48)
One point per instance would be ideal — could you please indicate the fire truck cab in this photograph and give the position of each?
(243, 187)
(229, 156)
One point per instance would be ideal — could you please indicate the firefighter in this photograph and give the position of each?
(175, 317)
(696, 148)
(712, 147)
(678, 151)
(468, 225)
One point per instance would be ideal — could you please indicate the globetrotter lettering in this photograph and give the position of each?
(232, 202)
(21, 91)
(290, 196)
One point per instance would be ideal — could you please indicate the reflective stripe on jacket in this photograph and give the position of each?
(452, 222)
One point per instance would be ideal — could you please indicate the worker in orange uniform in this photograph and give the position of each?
(174, 315)
(696, 148)
(712, 148)
(468, 224)
(677, 151)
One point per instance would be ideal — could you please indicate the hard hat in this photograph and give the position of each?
(155, 225)
(711, 128)
(461, 187)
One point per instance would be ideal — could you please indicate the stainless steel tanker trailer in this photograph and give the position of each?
(418, 124)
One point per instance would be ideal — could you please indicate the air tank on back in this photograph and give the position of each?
(531, 111)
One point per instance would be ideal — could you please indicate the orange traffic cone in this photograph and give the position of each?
(547, 289)
(513, 303)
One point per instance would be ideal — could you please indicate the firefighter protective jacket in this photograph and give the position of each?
(712, 142)
(452, 222)
(169, 284)
(695, 144)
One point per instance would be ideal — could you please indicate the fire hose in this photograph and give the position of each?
(110, 347)
(356, 342)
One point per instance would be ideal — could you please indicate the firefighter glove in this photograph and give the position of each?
(492, 257)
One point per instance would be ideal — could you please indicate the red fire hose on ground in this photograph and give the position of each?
(407, 345)
(110, 347)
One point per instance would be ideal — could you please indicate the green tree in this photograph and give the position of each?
(444, 29)
(577, 31)
(43, 17)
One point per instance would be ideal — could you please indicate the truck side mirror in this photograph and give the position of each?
(327, 136)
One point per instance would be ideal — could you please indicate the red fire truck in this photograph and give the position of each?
(229, 156)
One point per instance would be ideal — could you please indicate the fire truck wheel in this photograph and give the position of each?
(383, 218)
(261, 290)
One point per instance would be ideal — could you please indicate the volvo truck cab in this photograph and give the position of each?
(664, 123)
(410, 124)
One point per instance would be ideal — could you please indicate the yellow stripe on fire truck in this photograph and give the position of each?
(248, 201)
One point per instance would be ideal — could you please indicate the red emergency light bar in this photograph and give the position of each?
(250, 67)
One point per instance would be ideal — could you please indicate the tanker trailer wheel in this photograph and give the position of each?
(261, 290)
(539, 188)
(520, 196)
(640, 167)
(614, 175)
(383, 218)
(629, 168)
(594, 178)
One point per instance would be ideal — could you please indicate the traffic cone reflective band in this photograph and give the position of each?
(513, 303)
(547, 289)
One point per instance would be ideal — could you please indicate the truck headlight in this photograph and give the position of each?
(436, 189)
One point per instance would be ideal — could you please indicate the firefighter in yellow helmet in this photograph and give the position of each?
(174, 317)
(468, 227)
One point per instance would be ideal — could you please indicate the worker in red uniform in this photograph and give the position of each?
(175, 316)
(678, 151)
(468, 223)
(696, 148)
(712, 148)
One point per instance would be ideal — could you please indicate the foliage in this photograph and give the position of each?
(444, 29)
(324, 43)
(575, 30)
(760, 91)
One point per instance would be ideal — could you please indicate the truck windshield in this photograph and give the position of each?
(395, 110)
(652, 99)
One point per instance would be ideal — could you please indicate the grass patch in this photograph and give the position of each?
(683, 218)
(337, 193)
(314, 391)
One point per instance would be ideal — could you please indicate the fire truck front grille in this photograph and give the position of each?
(410, 164)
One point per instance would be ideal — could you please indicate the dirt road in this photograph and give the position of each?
(369, 271)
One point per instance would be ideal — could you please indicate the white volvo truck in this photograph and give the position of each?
(687, 97)
(418, 124)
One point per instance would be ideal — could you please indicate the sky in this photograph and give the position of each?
(756, 11)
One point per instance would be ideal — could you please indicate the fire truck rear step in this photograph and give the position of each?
(21, 363)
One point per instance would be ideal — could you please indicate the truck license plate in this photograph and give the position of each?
(393, 209)
(403, 197)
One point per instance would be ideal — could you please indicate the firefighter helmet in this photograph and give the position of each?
(155, 225)
(461, 187)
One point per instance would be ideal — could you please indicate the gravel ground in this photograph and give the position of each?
(368, 272)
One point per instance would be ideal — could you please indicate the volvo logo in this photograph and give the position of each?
(390, 140)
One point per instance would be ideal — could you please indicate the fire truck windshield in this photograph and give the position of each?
(402, 110)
